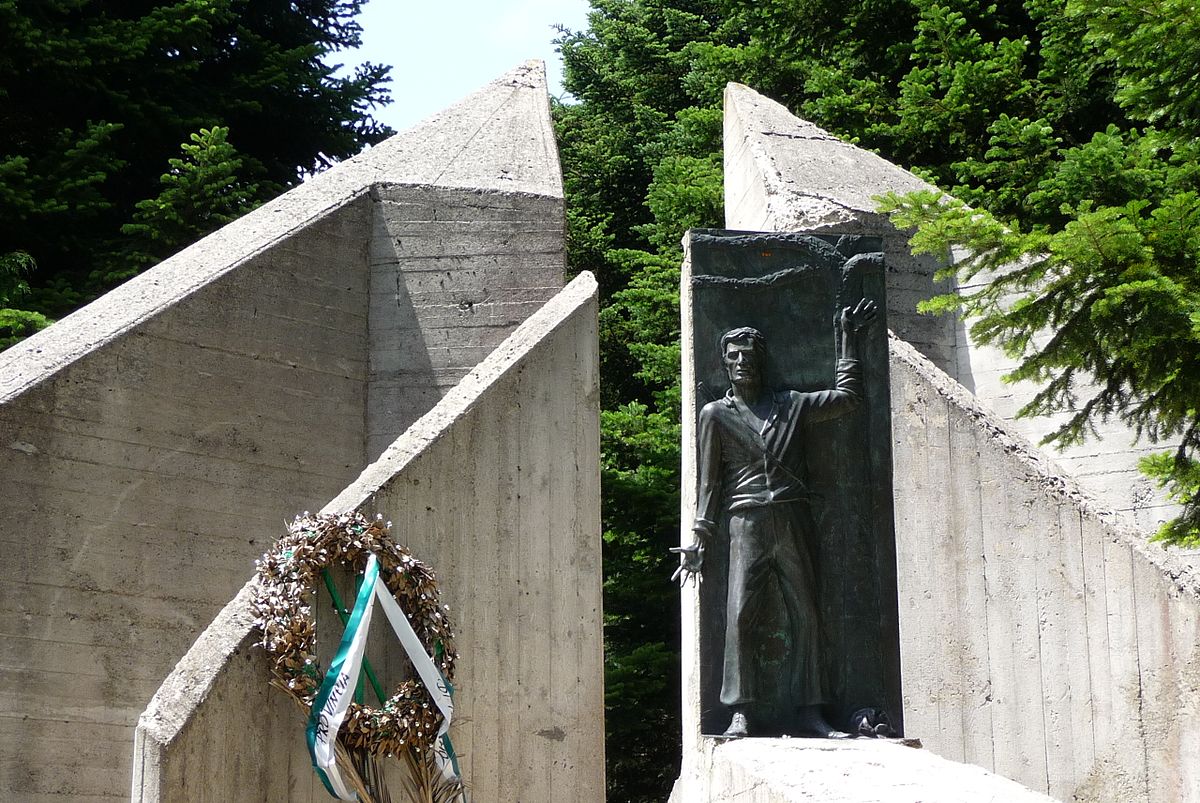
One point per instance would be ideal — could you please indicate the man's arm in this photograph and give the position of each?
(708, 498)
(708, 470)
(847, 391)
(853, 320)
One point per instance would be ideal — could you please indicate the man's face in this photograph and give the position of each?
(743, 362)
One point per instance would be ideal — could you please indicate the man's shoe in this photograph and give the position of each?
(811, 724)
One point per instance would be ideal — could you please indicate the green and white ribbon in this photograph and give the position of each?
(333, 699)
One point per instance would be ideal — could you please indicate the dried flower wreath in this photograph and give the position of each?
(407, 721)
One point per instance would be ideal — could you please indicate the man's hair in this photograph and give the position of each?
(744, 333)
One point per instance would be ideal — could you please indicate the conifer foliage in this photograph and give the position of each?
(1067, 125)
(1093, 242)
(96, 99)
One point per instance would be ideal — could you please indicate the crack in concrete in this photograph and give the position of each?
(811, 137)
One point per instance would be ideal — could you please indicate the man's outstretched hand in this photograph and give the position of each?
(691, 561)
(858, 317)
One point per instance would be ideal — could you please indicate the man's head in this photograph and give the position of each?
(743, 353)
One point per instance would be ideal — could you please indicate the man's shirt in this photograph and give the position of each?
(742, 465)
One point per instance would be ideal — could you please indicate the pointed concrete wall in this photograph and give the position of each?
(497, 488)
(1041, 637)
(784, 174)
(154, 441)
(466, 243)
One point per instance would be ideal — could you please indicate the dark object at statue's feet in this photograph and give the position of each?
(872, 723)
(737, 727)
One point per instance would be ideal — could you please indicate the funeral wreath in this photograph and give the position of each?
(283, 599)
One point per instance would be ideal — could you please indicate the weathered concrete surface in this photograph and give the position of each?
(853, 771)
(498, 139)
(497, 487)
(141, 478)
(1106, 464)
(452, 272)
(456, 265)
(786, 174)
(222, 673)
(1041, 638)
(155, 439)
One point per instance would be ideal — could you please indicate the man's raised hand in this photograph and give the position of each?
(858, 317)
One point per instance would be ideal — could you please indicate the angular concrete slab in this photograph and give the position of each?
(1041, 638)
(786, 174)
(786, 169)
(154, 440)
(500, 138)
(497, 488)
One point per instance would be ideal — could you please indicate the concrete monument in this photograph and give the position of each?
(154, 440)
(785, 484)
(1043, 639)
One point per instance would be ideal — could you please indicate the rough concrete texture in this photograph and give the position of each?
(499, 139)
(142, 478)
(497, 487)
(222, 673)
(1041, 638)
(453, 271)
(1106, 464)
(455, 266)
(853, 771)
(157, 438)
(785, 174)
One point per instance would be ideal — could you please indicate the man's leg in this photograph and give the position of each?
(797, 580)
(747, 573)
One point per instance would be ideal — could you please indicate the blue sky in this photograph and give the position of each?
(441, 51)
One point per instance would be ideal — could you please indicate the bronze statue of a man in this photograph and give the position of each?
(752, 475)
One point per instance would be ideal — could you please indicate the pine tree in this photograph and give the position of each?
(1098, 242)
(96, 98)
(202, 191)
(16, 323)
